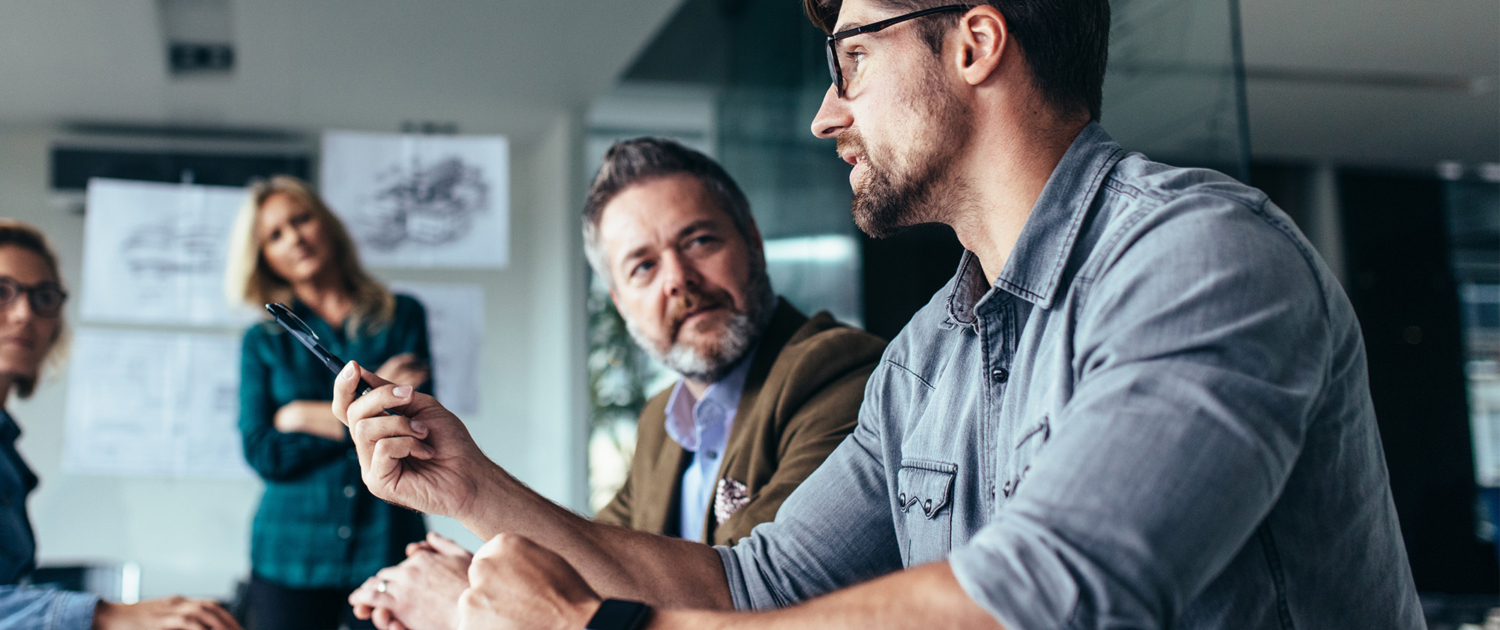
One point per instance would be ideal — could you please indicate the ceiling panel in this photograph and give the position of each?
(1374, 81)
(493, 66)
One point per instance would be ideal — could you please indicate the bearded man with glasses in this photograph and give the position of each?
(1141, 402)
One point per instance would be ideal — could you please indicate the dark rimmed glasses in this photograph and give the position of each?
(46, 298)
(835, 68)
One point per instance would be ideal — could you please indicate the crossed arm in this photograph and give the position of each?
(546, 567)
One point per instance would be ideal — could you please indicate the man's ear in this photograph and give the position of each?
(614, 299)
(983, 37)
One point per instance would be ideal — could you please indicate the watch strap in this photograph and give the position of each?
(619, 614)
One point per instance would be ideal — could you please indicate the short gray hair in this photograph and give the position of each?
(631, 162)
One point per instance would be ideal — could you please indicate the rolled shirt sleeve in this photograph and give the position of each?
(1198, 372)
(834, 530)
(29, 608)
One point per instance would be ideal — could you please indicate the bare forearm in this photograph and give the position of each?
(616, 562)
(924, 597)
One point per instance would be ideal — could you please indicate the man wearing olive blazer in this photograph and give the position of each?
(801, 397)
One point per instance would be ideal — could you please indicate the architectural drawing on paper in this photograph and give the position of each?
(418, 200)
(166, 249)
(427, 204)
(154, 404)
(455, 332)
(155, 254)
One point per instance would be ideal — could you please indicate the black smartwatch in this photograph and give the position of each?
(618, 614)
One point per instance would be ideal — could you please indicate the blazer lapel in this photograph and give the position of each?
(670, 465)
(748, 424)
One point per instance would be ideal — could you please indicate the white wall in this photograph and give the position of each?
(192, 536)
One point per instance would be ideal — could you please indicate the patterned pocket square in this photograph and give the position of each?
(729, 497)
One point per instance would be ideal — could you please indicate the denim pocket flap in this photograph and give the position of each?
(926, 485)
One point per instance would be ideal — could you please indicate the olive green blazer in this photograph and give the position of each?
(801, 398)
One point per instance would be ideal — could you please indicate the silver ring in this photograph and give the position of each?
(382, 586)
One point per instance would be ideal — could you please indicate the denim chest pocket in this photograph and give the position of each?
(924, 492)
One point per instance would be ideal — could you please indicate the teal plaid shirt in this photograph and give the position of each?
(317, 525)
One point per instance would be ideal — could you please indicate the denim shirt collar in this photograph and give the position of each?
(1042, 250)
(688, 425)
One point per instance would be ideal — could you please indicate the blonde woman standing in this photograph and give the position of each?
(31, 330)
(318, 532)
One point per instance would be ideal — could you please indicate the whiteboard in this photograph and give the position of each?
(155, 254)
(154, 404)
(420, 200)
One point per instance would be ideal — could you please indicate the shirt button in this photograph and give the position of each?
(902, 499)
(1000, 375)
(927, 507)
(349, 492)
(345, 532)
(711, 454)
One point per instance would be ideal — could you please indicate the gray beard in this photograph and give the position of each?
(739, 335)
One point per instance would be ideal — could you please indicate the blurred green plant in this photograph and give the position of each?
(620, 375)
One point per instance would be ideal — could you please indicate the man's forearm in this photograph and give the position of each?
(616, 562)
(924, 597)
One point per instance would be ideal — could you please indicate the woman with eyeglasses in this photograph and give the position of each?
(31, 332)
(318, 533)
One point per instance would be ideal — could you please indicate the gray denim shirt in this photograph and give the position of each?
(1158, 416)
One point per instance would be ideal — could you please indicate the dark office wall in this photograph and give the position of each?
(902, 272)
(1403, 289)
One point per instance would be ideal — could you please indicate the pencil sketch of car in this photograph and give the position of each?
(424, 205)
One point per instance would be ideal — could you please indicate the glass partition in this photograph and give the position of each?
(1472, 200)
(1175, 88)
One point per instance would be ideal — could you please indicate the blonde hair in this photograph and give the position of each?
(249, 280)
(15, 233)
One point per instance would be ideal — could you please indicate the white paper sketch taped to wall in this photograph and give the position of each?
(155, 253)
(153, 404)
(430, 205)
(455, 332)
(419, 200)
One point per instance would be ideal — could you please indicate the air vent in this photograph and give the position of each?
(199, 36)
(188, 58)
(215, 156)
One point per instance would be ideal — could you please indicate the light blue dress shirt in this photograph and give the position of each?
(701, 427)
(1157, 416)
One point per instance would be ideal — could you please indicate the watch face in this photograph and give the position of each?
(618, 614)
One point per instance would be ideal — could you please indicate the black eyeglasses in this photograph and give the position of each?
(46, 298)
(835, 68)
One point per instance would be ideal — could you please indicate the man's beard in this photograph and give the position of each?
(892, 200)
(738, 335)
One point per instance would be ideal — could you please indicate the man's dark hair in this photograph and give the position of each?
(1065, 42)
(630, 162)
